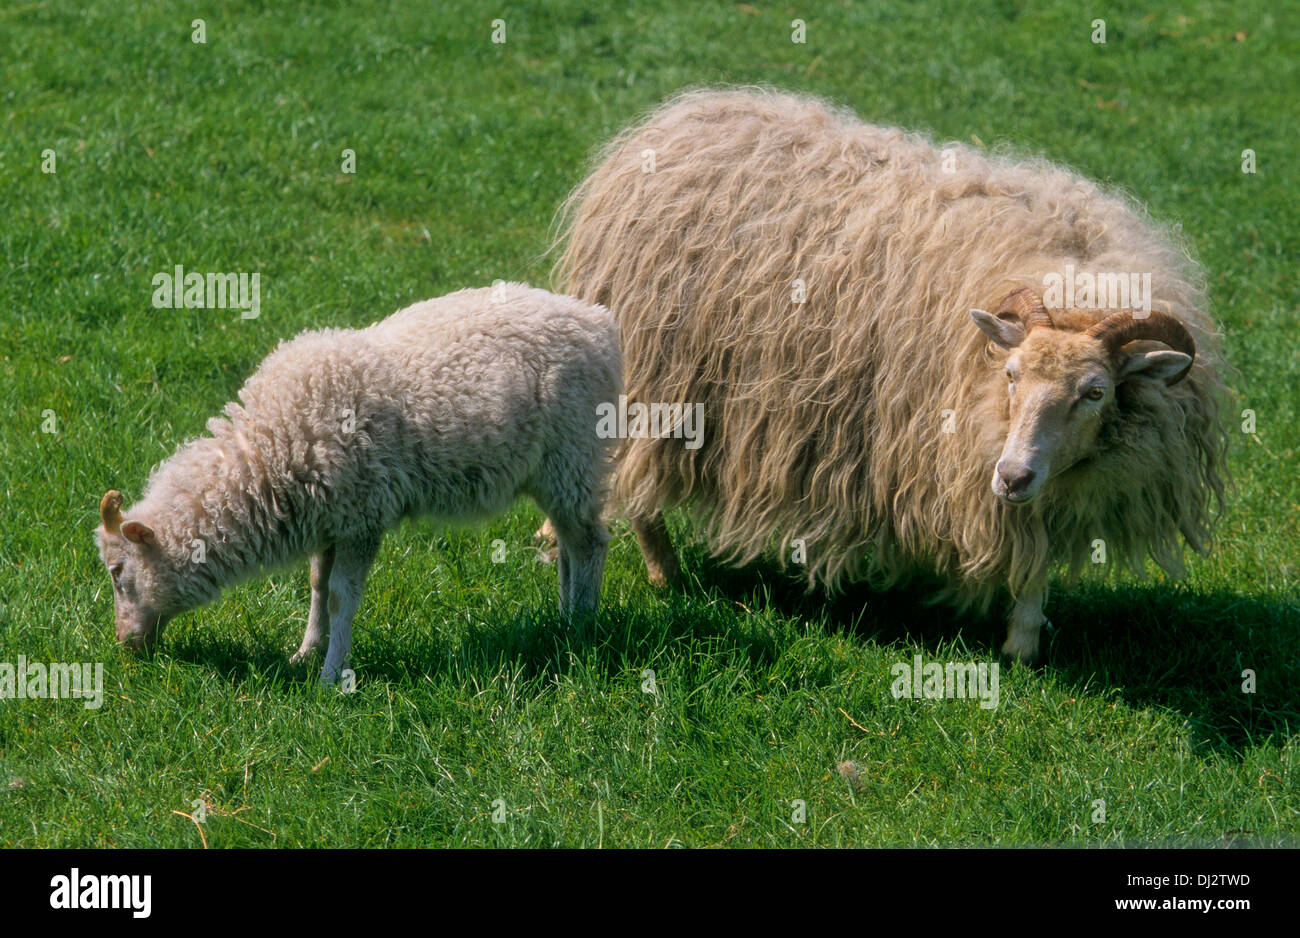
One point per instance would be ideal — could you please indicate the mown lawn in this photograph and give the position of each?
(475, 721)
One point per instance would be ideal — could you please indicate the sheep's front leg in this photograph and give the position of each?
(321, 564)
(1025, 626)
(347, 578)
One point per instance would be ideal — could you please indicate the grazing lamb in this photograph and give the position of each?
(448, 408)
(812, 281)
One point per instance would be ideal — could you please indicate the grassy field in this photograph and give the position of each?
(475, 720)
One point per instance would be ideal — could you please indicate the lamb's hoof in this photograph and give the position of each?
(657, 578)
(301, 655)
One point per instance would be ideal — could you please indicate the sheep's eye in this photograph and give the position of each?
(1010, 376)
(115, 571)
(1095, 394)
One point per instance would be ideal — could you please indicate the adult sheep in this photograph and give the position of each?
(861, 315)
(448, 408)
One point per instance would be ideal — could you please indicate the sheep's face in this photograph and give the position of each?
(143, 600)
(1060, 385)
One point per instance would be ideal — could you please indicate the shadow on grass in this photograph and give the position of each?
(1157, 645)
(1160, 645)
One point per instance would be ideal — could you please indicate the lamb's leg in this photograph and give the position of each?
(656, 549)
(583, 542)
(545, 541)
(319, 615)
(1026, 621)
(347, 577)
(564, 577)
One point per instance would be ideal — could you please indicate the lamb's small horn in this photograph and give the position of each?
(1028, 305)
(110, 511)
(1118, 329)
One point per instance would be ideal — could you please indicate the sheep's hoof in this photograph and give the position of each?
(661, 569)
(1022, 647)
(301, 655)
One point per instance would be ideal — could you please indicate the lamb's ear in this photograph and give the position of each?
(138, 533)
(110, 511)
(1164, 364)
(1005, 332)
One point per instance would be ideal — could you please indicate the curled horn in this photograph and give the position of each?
(110, 512)
(1118, 329)
(1028, 305)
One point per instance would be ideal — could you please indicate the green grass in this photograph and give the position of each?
(226, 157)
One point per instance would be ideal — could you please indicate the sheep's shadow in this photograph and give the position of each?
(1159, 645)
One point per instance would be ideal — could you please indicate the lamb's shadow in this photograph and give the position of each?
(1157, 644)
(529, 645)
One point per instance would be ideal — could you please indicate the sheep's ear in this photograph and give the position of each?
(1003, 332)
(1168, 365)
(138, 533)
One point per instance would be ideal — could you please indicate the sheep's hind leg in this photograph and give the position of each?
(583, 542)
(319, 615)
(656, 549)
(347, 578)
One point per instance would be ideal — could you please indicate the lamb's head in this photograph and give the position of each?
(144, 595)
(1061, 382)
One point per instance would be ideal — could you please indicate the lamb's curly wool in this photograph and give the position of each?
(825, 419)
(448, 408)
